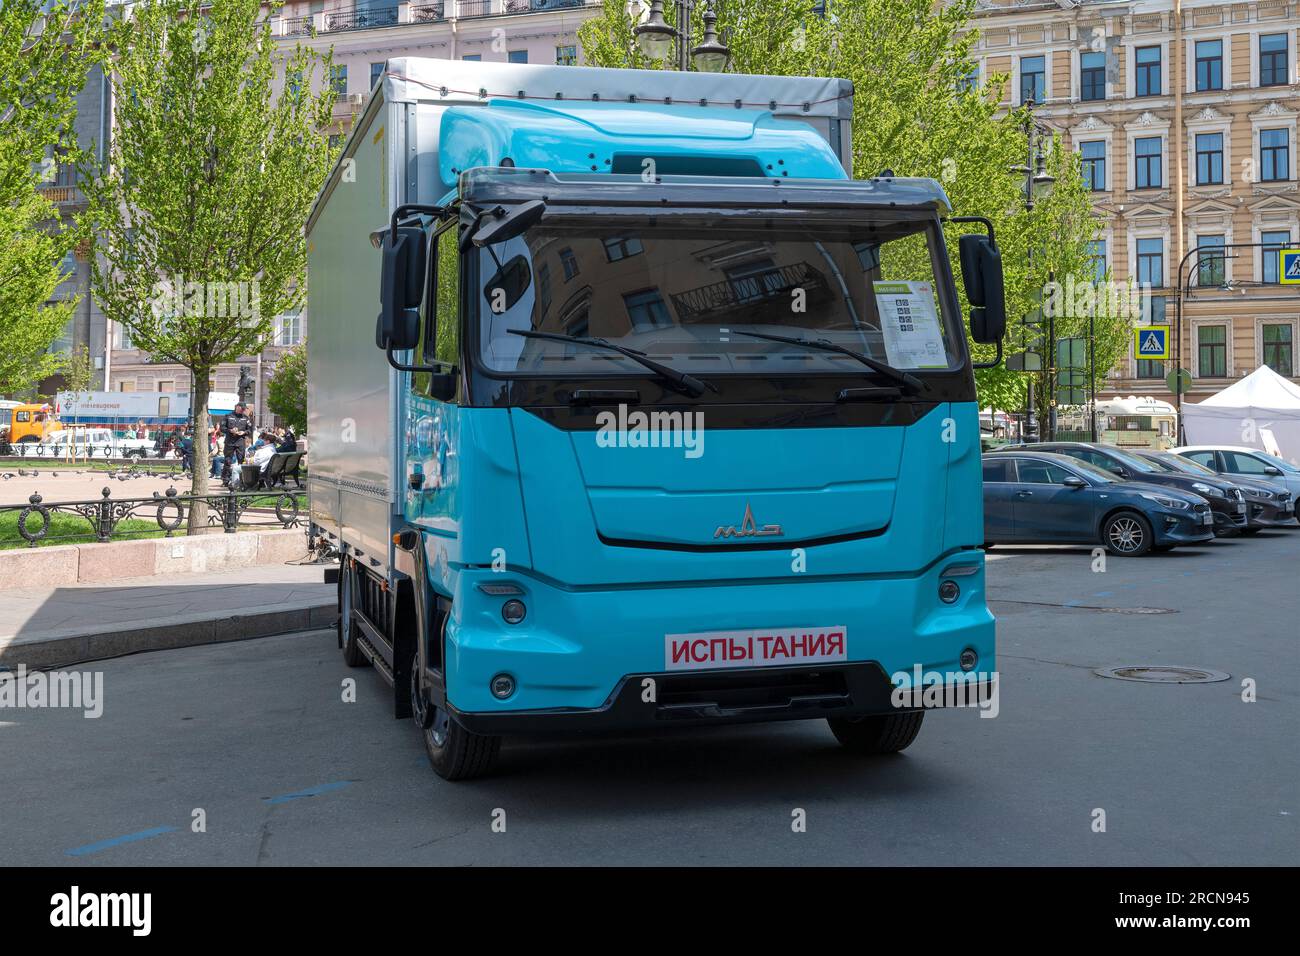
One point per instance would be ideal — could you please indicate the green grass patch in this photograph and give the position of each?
(71, 529)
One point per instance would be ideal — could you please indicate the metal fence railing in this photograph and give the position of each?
(38, 521)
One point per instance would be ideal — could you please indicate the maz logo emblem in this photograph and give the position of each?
(748, 528)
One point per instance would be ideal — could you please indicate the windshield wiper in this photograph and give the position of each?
(910, 383)
(689, 384)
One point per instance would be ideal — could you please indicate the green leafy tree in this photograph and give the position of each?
(46, 52)
(286, 392)
(916, 112)
(211, 176)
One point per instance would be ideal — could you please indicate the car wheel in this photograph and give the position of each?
(877, 734)
(1127, 533)
(454, 752)
(347, 629)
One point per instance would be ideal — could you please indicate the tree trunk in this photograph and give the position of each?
(202, 459)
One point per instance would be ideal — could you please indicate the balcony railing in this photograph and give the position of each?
(428, 12)
(360, 19)
(435, 12)
(751, 290)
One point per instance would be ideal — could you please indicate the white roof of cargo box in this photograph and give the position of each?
(428, 80)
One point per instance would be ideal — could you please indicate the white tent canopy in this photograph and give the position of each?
(1260, 411)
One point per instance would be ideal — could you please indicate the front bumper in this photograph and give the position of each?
(1181, 527)
(581, 650)
(743, 695)
(1271, 513)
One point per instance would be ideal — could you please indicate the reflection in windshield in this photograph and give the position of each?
(676, 292)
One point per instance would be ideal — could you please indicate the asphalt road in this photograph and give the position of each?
(256, 736)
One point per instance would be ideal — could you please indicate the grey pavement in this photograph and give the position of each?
(57, 624)
(257, 736)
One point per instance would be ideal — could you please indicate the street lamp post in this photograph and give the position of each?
(656, 37)
(1036, 179)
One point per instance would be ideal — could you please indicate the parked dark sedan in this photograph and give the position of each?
(1267, 505)
(1042, 498)
(1226, 499)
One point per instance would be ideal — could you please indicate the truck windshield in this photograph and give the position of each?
(677, 290)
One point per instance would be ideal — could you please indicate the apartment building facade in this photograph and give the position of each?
(1185, 115)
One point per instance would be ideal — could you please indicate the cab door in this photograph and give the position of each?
(1047, 509)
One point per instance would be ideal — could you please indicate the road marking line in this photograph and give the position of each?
(118, 841)
(309, 792)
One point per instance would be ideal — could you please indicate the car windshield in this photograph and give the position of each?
(1132, 461)
(1092, 472)
(1179, 463)
(682, 291)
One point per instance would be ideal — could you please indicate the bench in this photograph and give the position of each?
(282, 467)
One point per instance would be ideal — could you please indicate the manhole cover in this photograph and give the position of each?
(1153, 674)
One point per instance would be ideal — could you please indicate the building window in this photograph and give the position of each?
(288, 328)
(1033, 79)
(1210, 260)
(1148, 71)
(126, 385)
(1092, 76)
(569, 262)
(1151, 262)
(1147, 162)
(517, 56)
(647, 310)
(1209, 159)
(566, 55)
(620, 247)
(1212, 351)
(1277, 348)
(1270, 260)
(1274, 155)
(1272, 59)
(1153, 368)
(339, 78)
(472, 57)
(1209, 65)
(376, 71)
(1097, 253)
(166, 385)
(122, 337)
(1093, 163)
(969, 80)
(336, 140)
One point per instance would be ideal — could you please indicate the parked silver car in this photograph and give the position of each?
(1233, 460)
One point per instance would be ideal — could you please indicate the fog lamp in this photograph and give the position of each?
(513, 611)
(968, 659)
(949, 592)
(502, 686)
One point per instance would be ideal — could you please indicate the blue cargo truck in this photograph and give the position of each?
(629, 408)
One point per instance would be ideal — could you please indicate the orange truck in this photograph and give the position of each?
(23, 422)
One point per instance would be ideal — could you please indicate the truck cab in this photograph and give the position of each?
(684, 424)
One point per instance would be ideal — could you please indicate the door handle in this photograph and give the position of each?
(1024, 494)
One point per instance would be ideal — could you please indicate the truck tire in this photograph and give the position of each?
(347, 630)
(877, 734)
(454, 752)
(1127, 534)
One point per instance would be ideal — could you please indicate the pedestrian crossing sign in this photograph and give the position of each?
(1289, 270)
(1151, 342)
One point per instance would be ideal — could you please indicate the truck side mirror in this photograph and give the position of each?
(981, 271)
(500, 224)
(401, 288)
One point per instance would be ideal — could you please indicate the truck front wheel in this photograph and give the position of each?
(877, 734)
(454, 752)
